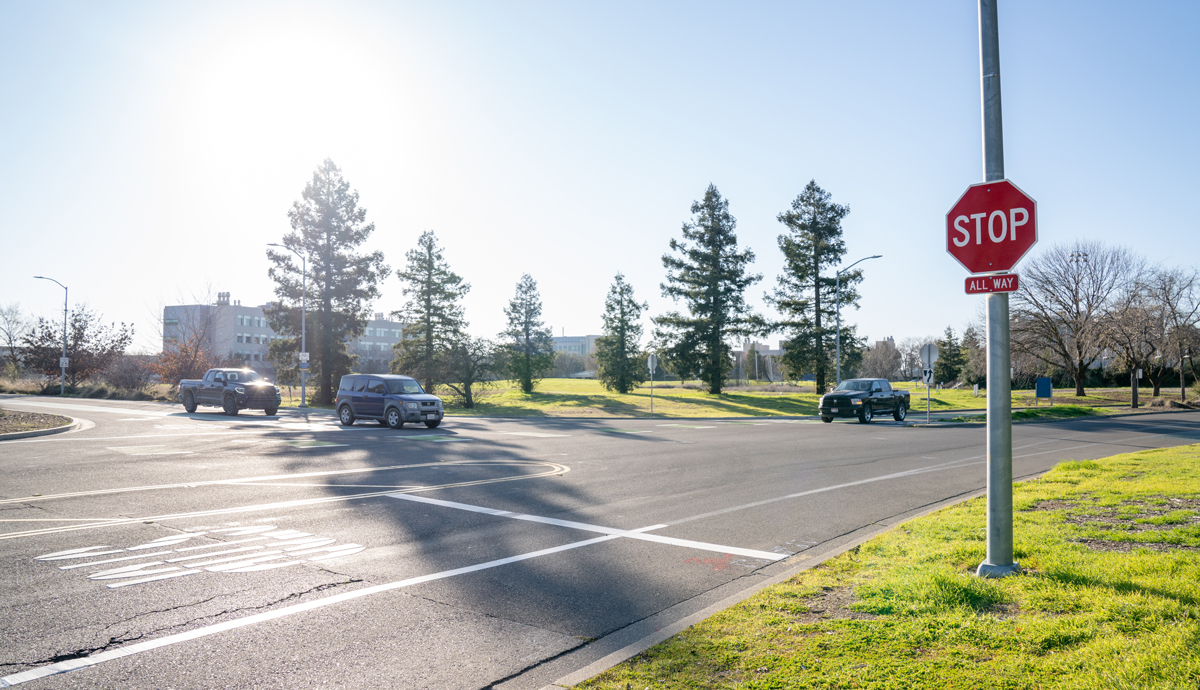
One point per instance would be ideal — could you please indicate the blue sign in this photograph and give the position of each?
(304, 367)
(1044, 389)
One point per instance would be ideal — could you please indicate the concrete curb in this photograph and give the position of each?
(75, 424)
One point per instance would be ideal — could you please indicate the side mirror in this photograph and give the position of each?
(876, 390)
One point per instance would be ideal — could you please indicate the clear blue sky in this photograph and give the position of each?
(149, 151)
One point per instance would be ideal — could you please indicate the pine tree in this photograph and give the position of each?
(621, 362)
(528, 347)
(710, 276)
(950, 358)
(812, 244)
(327, 227)
(432, 313)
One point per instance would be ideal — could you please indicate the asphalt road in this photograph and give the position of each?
(156, 549)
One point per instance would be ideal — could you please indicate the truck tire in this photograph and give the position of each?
(345, 415)
(827, 420)
(393, 418)
(865, 415)
(434, 424)
(270, 411)
(900, 412)
(189, 402)
(229, 405)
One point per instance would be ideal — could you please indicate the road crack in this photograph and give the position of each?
(116, 641)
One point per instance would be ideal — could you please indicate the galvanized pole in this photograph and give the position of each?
(62, 384)
(303, 329)
(838, 300)
(999, 560)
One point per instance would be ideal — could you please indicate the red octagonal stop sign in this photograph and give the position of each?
(991, 227)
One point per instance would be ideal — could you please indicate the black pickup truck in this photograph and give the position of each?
(864, 398)
(230, 389)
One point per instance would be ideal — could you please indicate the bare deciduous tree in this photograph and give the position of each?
(1177, 292)
(910, 354)
(1066, 294)
(881, 362)
(13, 327)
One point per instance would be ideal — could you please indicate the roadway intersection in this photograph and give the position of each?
(153, 548)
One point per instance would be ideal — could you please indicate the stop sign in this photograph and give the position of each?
(991, 227)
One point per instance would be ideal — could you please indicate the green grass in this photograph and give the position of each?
(1055, 412)
(587, 398)
(1109, 598)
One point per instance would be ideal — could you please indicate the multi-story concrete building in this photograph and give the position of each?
(575, 344)
(242, 333)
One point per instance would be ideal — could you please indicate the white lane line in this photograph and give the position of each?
(93, 660)
(273, 477)
(93, 408)
(718, 548)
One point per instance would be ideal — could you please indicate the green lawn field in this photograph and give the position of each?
(1109, 598)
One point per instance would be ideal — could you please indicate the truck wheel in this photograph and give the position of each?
(189, 402)
(270, 411)
(900, 412)
(434, 424)
(229, 404)
(393, 418)
(345, 415)
(866, 415)
(827, 420)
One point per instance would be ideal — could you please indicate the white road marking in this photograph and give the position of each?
(85, 662)
(750, 553)
(92, 408)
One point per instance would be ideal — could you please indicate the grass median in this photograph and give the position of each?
(1109, 598)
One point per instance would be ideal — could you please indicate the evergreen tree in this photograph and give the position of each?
(621, 362)
(950, 358)
(813, 243)
(327, 227)
(529, 349)
(433, 316)
(710, 276)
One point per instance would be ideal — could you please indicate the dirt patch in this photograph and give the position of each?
(832, 604)
(1129, 546)
(1053, 505)
(12, 421)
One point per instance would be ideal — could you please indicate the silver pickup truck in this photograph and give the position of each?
(231, 390)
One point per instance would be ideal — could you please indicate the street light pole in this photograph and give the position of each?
(303, 310)
(62, 388)
(838, 300)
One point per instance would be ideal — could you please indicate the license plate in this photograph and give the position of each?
(431, 416)
(833, 409)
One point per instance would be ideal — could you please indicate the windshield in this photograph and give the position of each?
(854, 386)
(403, 386)
(245, 376)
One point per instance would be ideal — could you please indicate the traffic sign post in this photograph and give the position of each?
(652, 363)
(988, 230)
(929, 355)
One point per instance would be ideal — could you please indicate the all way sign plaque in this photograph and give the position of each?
(1005, 282)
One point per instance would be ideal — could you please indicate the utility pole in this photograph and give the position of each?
(999, 560)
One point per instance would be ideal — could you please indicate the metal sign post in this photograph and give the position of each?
(652, 363)
(999, 560)
(929, 355)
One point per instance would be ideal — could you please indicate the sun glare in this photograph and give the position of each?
(286, 86)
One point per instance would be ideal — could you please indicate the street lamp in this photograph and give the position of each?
(303, 308)
(838, 299)
(62, 388)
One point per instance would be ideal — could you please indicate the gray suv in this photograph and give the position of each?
(386, 398)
